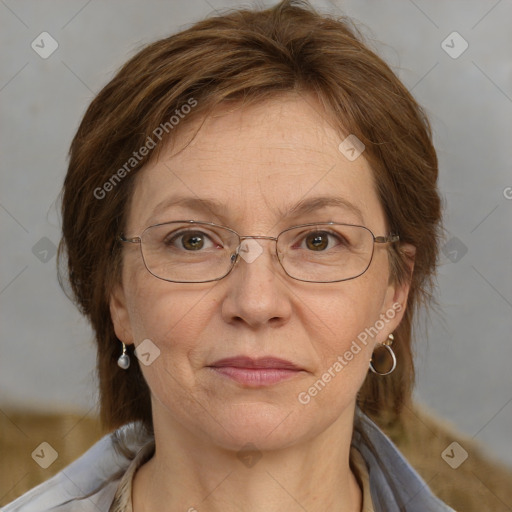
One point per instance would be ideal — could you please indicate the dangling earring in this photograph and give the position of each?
(386, 345)
(124, 359)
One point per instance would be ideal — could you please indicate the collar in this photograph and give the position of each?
(92, 481)
(122, 501)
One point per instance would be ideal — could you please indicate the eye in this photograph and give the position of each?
(319, 241)
(190, 240)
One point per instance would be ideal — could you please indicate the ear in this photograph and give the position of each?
(120, 316)
(395, 301)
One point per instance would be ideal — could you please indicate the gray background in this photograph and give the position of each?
(47, 355)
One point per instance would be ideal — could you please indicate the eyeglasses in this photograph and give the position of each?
(189, 251)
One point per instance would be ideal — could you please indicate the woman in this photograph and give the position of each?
(250, 220)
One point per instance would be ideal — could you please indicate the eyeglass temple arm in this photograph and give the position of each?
(134, 240)
(386, 239)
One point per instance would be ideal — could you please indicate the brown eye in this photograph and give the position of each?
(189, 241)
(193, 242)
(317, 241)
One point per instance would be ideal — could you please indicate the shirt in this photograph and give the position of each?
(123, 498)
(100, 480)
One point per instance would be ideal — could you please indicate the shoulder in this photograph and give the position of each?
(393, 481)
(90, 482)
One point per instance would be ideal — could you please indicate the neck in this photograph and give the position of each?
(190, 473)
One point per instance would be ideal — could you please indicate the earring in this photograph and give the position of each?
(124, 359)
(386, 345)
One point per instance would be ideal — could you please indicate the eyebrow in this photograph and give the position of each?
(213, 206)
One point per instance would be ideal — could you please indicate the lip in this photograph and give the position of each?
(258, 363)
(260, 372)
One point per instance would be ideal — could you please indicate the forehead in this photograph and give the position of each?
(249, 166)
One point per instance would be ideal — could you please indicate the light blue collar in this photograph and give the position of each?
(394, 484)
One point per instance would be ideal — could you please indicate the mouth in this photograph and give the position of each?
(264, 371)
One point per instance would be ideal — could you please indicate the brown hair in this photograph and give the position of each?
(245, 56)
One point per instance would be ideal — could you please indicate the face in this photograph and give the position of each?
(257, 162)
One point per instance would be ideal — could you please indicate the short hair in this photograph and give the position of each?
(244, 57)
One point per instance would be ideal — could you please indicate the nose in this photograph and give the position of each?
(256, 290)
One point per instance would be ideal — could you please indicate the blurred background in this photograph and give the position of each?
(455, 58)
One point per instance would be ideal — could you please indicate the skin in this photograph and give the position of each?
(255, 161)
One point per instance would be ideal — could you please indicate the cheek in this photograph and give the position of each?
(342, 329)
(342, 315)
(155, 307)
(172, 316)
(162, 311)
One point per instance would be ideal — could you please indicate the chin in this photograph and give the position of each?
(263, 425)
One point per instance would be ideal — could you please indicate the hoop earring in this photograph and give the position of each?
(387, 346)
(124, 359)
